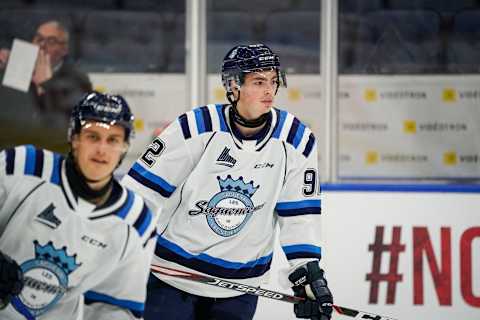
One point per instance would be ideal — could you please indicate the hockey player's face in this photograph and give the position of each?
(257, 93)
(98, 149)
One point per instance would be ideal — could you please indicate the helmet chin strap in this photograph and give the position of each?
(239, 119)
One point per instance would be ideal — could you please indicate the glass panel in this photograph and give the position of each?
(408, 90)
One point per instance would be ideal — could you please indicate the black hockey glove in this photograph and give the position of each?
(11, 279)
(318, 306)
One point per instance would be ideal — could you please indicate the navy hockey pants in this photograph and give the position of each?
(167, 302)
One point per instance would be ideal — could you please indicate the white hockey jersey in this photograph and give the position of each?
(221, 195)
(79, 261)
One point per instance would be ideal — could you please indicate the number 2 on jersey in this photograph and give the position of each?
(153, 151)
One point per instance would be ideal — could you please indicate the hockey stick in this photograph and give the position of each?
(257, 291)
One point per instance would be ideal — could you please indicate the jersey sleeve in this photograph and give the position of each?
(165, 164)
(122, 294)
(299, 205)
(30, 161)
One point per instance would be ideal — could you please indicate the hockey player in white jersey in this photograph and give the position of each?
(78, 242)
(222, 178)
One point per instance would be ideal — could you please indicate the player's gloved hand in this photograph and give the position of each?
(309, 283)
(11, 279)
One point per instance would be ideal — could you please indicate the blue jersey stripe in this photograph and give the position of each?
(288, 209)
(125, 208)
(214, 266)
(281, 116)
(29, 160)
(151, 180)
(185, 128)
(10, 159)
(55, 178)
(299, 204)
(221, 117)
(143, 220)
(293, 130)
(199, 120)
(207, 119)
(39, 156)
(137, 308)
(302, 251)
(298, 135)
(309, 146)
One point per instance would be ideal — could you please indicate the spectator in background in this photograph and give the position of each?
(56, 86)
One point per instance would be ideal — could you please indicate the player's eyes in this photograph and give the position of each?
(114, 141)
(91, 137)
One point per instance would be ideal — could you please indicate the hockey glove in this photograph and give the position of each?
(11, 279)
(309, 283)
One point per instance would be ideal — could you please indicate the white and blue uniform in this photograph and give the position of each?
(220, 196)
(79, 261)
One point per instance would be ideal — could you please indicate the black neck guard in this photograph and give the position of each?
(255, 123)
(78, 182)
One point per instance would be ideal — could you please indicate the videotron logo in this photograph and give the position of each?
(452, 95)
(371, 95)
(411, 126)
(452, 158)
(364, 126)
(373, 157)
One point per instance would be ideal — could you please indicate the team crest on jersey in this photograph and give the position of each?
(229, 210)
(45, 279)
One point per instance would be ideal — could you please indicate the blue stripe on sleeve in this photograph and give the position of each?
(39, 156)
(309, 146)
(183, 119)
(10, 159)
(55, 178)
(295, 208)
(302, 251)
(293, 130)
(137, 308)
(221, 118)
(122, 213)
(280, 122)
(199, 120)
(151, 180)
(299, 135)
(207, 119)
(143, 220)
(29, 160)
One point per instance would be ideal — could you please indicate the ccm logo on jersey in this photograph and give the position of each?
(94, 242)
(263, 165)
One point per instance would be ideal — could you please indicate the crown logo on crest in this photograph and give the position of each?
(238, 185)
(58, 257)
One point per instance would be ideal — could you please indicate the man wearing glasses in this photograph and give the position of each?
(56, 85)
